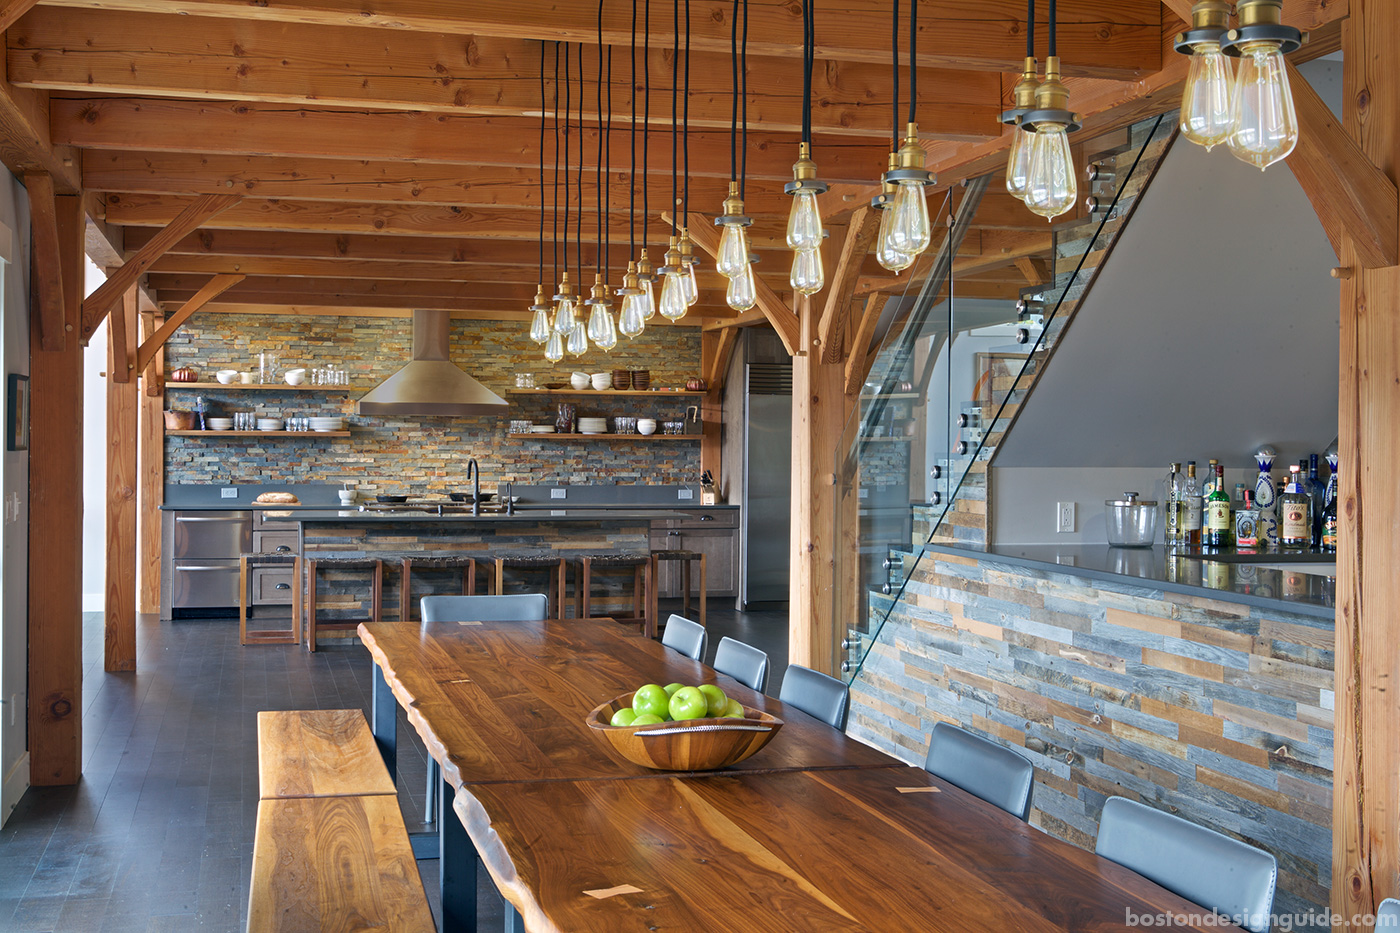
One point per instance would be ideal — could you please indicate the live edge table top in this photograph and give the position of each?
(507, 701)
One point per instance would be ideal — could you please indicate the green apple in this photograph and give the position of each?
(647, 719)
(734, 710)
(623, 717)
(672, 688)
(689, 703)
(714, 699)
(652, 699)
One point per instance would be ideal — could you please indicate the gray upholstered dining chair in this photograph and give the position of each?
(816, 694)
(515, 607)
(981, 767)
(745, 663)
(685, 636)
(1388, 914)
(1200, 864)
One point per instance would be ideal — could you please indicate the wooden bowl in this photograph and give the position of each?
(692, 745)
(180, 420)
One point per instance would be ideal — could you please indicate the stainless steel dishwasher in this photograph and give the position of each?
(205, 546)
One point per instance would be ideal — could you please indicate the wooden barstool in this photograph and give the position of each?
(643, 597)
(313, 624)
(251, 583)
(466, 565)
(686, 558)
(556, 566)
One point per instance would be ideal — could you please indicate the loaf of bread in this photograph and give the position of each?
(278, 498)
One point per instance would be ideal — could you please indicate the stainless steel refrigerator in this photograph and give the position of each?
(767, 486)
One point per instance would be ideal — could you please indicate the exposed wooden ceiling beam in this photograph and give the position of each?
(211, 290)
(169, 283)
(1107, 38)
(831, 329)
(139, 53)
(857, 364)
(11, 10)
(472, 312)
(235, 128)
(25, 141)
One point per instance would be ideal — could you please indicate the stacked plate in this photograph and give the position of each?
(221, 424)
(325, 424)
(270, 424)
(542, 429)
(593, 425)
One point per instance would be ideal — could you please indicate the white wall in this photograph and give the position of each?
(14, 490)
(94, 460)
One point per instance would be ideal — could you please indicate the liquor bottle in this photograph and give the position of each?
(1329, 511)
(1208, 484)
(1247, 524)
(1330, 492)
(1192, 495)
(1217, 524)
(1316, 492)
(1266, 496)
(1172, 497)
(1295, 526)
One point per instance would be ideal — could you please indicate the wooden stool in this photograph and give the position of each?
(685, 557)
(246, 583)
(313, 624)
(466, 564)
(558, 580)
(643, 590)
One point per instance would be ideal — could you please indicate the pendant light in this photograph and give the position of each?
(1205, 101)
(689, 285)
(889, 257)
(630, 322)
(564, 298)
(735, 259)
(577, 337)
(1018, 162)
(804, 228)
(908, 230)
(1051, 184)
(1264, 124)
(673, 304)
(540, 328)
(601, 328)
(646, 272)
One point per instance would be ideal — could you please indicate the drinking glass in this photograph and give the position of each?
(267, 367)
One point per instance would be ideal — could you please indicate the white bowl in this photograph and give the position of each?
(602, 381)
(646, 426)
(226, 376)
(579, 380)
(295, 377)
(270, 424)
(221, 424)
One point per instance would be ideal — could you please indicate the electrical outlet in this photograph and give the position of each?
(1064, 517)
(228, 492)
(558, 493)
(685, 493)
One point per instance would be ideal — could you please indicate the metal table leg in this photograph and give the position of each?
(384, 711)
(456, 869)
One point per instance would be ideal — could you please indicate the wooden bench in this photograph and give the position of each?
(331, 851)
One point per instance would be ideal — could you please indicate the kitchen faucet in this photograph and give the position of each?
(474, 474)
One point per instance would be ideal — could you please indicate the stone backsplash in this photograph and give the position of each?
(421, 454)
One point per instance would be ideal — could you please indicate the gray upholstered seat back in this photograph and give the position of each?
(993, 772)
(816, 694)
(516, 607)
(685, 636)
(1388, 914)
(1201, 865)
(744, 663)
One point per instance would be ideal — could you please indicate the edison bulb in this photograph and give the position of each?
(1265, 125)
(1018, 162)
(578, 340)
(595, 323)
(607, 329)
(804, 229)
(889, 257)
(1205, 102)
(807, 275)
(540, 328)
(733, 251)
(690, 288)
(630, 322)
(564, 317)
(646, 304)
(554, 348)
(741, 294)
(1051, 187)
(909, 227)
(673, 306)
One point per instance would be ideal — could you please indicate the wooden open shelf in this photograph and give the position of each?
(606, 437)
(264, 387)
(649, 393)
(212, 433)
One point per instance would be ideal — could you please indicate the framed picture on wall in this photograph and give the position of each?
(17, 413)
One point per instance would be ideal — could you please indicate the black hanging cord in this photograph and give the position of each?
(1030, 28)
(578, 220)
(894, 67)
(568, 131)
(913, 69)
(1050, 46)
(607, 177)
(685, 125)
(555, 220)
(734, 93)
(675, 84)
(744, 105)
(543, 114)
(646, 116)
(632, 178)
(598, 259)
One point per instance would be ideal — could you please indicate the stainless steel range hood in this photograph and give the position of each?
(431, 384)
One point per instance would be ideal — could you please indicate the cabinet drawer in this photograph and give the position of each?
(275, 542)
(261, 522)
(272, 585)
(704, 518)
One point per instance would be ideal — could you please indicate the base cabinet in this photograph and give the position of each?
(712, 533)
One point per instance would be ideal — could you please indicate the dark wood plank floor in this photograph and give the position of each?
(158, 835)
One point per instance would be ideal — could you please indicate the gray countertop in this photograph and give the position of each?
(313, 496)
(340, 516)
(1300, 591)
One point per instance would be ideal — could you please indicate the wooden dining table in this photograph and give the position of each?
(815, 832)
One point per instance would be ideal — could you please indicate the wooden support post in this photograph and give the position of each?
(122, 439)
(819, 411)
(1366, 786)
(56, 529)
(46, 263)
(860, 236)
(151, 466)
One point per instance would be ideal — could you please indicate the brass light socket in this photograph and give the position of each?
(645, 270)
(1211, 14)
(911, 154)
(804, 169)
(733, 205)
(1258, 12)
(566, 291)
(631, 285)
(599, 292)
(687, 249)
(1052, 93)
(540, 304)
(1023, 94)
(671, 263)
